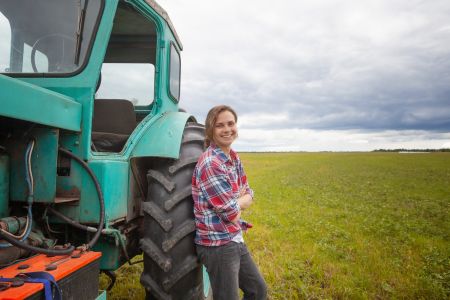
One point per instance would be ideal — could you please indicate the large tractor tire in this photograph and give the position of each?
(171, 268)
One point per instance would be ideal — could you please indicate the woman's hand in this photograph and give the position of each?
(245, 199)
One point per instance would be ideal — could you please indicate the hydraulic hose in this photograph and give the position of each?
(14, 240)
(71, 221)
(75, 224)
(29, 177)
(30, 198)
(99, 193)
(24, 245)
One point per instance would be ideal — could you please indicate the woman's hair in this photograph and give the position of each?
(211, 119)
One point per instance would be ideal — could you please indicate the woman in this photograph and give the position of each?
(220, 192)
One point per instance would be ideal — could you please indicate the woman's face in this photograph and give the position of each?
(225, 130)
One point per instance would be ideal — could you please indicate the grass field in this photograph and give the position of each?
(344, 226)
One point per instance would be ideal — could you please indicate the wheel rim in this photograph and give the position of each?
(206, 283)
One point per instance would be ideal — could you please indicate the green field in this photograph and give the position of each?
(344, 226)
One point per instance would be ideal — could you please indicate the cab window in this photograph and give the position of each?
(174, 76)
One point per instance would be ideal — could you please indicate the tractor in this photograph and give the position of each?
(96, 156)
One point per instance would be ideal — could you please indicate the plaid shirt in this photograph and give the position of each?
(216, 183)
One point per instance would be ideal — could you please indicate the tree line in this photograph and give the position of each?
(412, 150)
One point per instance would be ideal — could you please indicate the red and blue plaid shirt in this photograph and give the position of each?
(216, 185)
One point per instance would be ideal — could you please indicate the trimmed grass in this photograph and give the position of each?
(345, 226)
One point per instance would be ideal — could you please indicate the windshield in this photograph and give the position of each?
(46, 36)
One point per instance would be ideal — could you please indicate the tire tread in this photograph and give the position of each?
(158, 215)
(184, 229)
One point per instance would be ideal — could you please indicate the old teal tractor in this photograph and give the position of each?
(86, 166)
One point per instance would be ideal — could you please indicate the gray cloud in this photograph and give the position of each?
(347, 65)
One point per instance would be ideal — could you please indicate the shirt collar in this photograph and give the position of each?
(222, 156)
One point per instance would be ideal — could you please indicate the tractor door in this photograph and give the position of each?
(125, 92)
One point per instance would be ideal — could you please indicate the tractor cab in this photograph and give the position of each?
(94, 151)
(50, 40)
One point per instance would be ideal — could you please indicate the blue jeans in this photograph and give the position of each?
(230, 268)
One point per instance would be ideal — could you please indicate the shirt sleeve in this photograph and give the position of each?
(215, 185)
(243, 179)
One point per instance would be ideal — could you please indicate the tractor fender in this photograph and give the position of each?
(160, 136)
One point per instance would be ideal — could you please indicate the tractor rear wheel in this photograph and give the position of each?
(171, 268)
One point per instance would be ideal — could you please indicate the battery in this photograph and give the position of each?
(77, 276)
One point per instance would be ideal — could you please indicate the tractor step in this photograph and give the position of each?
(77, 276)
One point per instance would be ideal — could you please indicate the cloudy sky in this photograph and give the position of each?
(313, 75)
(320, 74)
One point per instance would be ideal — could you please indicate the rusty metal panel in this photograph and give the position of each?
(43, 164)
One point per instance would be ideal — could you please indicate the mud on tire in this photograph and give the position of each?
(171, 268)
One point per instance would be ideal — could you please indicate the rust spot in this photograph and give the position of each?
(73, 192)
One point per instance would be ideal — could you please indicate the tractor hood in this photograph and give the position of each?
(28, 102)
